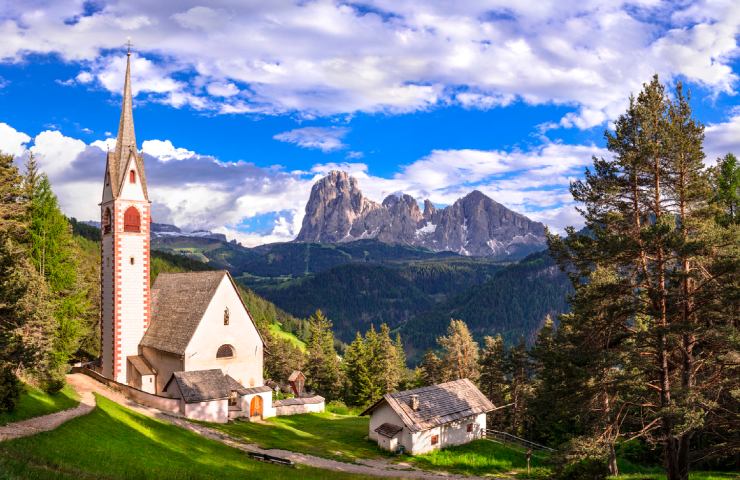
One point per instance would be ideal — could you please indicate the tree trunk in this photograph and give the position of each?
(613, 467)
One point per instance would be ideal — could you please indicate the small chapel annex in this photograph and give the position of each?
(188, 338)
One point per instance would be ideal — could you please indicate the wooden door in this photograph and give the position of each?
(255, 406)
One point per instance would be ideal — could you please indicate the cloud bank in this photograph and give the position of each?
(197, 191)
(322, 57)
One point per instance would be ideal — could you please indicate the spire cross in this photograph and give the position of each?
(128, 46)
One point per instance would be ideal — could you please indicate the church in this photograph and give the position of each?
(189, 337)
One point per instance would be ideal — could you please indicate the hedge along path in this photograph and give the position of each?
(86, 386)
(44, 423)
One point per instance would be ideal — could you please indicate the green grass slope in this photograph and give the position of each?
(35, 402)
(115, 443)
(328, 435)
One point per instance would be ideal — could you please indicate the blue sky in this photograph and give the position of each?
(240, 107)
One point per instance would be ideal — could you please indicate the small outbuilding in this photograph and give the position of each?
(429, 418)
(211, 396)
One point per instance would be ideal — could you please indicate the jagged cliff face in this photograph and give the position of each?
(474, 225)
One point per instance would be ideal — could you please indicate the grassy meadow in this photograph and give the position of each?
(35, 402)
(115, 443)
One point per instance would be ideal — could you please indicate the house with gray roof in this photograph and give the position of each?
(429, 418)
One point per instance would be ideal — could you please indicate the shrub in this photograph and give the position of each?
(10, 389)
(585, 469)
(338, 407)
(582, 458)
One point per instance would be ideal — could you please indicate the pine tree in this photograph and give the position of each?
(385, 362)
(493, 381)
(725, 178)
(670, 302)
(24, 311)
(459, 353)
(323, 370)
(518, 370)
(54, 254)
(431, 369)
(360, 388)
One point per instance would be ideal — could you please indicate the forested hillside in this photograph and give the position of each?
(514, 304)
(415, 291)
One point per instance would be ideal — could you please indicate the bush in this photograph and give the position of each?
(585, 469)
(10, 389)
(582, 458)
(338, 407)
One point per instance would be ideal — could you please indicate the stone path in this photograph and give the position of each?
(35, 425)
(85, 386)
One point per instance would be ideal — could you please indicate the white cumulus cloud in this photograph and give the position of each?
(326, 139)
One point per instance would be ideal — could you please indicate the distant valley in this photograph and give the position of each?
(389, 277)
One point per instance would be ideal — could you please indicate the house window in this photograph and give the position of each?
(226, 316)
(435, 439)
(132, 260)
(132, 176)
(470, 427)
(233, 399)
(225, 351)
(106, 221)
(131, 220)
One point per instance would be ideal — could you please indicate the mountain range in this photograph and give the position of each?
(475, 225)
(365, 263)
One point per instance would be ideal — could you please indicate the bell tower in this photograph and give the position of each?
(125, 221)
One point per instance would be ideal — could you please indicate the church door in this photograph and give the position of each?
(255, 406)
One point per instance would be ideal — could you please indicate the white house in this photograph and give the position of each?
(429, 418)
(189, 336)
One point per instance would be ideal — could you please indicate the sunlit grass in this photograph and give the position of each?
(113, 442)
(35, 402)
(481, 457)
(341, 437)
(277, 331)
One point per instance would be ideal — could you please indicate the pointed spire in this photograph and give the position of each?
(126, 140)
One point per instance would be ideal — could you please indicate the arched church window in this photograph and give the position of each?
(106, 221)
(226, 316)
(132, 176)
(225, 351)
(131, 220)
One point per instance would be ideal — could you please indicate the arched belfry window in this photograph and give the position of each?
(131, 220)
(226, 316)
(225, 351)
(132, 176)
(106, 221)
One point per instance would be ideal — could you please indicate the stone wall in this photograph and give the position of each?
(169, 405)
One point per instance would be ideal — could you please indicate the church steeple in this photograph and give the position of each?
(120, 158)
(126, 140)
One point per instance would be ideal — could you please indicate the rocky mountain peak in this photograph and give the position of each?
(475, 224)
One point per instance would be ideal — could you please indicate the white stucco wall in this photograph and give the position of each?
(200, 354)
(165, 364)
(216, 411)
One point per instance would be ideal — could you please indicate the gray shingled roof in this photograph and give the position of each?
(388, 430)
(242, 390)
(201, 385)
(438, 404)
(179, 301)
